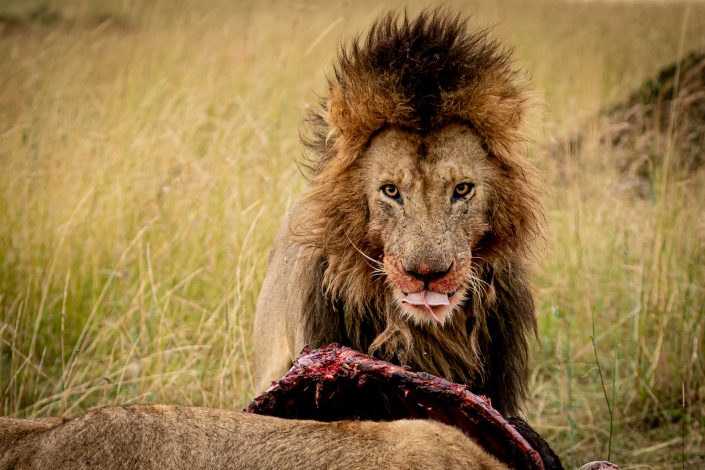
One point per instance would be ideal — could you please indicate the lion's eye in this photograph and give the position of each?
(463, 190)
(391, 191)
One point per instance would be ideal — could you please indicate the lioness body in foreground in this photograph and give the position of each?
(172, 437)
(412, 241)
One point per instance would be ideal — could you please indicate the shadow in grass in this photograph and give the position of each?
(42, 18)
(664, 116)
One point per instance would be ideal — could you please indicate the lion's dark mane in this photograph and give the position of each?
(422, 74)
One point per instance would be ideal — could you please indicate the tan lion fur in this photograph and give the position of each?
(423, 104)
(173, 437)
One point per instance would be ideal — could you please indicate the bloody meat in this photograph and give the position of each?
(338, 383)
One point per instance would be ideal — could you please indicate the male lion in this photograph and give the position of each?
(411, 241)
(174, 437)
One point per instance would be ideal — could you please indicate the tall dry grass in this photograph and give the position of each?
(148, 154)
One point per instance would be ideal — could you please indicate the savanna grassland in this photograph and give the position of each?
(148, 151)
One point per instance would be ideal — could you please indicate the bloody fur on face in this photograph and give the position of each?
(428, 235)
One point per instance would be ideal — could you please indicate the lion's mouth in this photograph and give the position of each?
(430, 300)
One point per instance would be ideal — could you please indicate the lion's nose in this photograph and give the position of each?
(428, 274)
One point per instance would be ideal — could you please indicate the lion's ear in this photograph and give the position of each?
(343, 128)
(496, 111)
(338, 116)
(356, 110)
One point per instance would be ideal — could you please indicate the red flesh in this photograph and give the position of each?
(337, 383)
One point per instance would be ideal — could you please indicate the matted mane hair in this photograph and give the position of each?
(419, 75)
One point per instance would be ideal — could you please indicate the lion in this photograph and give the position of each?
(413, 239)
(175, 437)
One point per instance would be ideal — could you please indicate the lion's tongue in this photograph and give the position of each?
(428, 299)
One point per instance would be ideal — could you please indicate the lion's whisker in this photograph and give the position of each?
(476, 284)
(369, 258)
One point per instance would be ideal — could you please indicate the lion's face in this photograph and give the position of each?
(429, 197)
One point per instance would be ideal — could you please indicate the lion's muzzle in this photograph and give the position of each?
(427, 291)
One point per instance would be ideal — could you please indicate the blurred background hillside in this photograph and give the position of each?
(148, 150)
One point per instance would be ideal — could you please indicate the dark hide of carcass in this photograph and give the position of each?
(335, 383)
